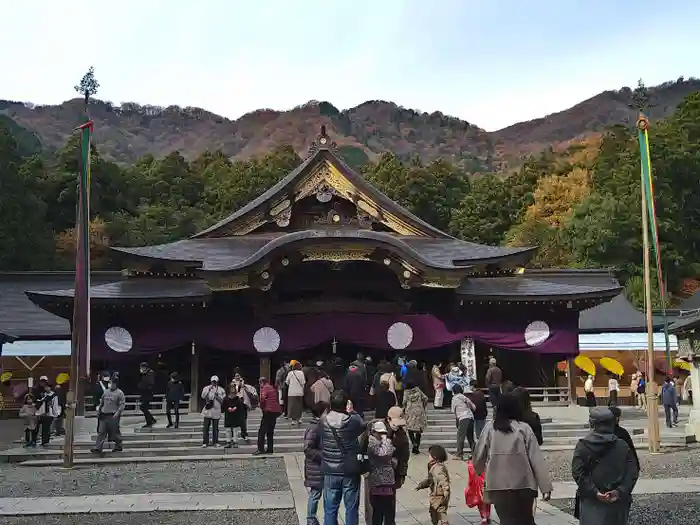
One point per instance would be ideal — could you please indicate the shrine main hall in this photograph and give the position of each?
(323, 263)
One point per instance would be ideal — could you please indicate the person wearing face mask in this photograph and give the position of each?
(396, 432)
(109, 412)
(146, 385)
(213, 396)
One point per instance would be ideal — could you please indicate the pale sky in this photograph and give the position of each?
(491, 62)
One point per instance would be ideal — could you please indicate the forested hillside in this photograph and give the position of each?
(580, 206)
(128, 131)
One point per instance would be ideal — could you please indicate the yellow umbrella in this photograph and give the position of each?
(683, 365)
(62, 378)
(5, 377)
(585, 364)
(611, 365)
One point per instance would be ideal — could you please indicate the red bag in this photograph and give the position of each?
(474, 491)
(474, 494)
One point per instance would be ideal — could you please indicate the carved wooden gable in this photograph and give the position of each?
(336, 193)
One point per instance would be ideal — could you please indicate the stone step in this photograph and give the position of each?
(192, 447)
(50, 458)
(254, 421)
(298, 433)
(428, 439)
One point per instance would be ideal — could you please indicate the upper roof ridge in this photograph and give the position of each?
(323, 141)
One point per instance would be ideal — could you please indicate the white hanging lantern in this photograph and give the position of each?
(118, 339)
(399, 336)
(266, 340)
(536, 333)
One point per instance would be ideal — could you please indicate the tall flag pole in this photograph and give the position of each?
(654, 437)
(80, 350)
(648, 183)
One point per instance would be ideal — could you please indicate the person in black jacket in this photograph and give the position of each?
(313, 479)
(146, 385)
(481, 410)
(338, 432)
(174, 393)
(59, 422)
(355, 386)
(384, 400)
(622, 433)
(530, 417)
(234, 410)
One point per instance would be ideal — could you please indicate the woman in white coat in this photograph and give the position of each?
(212, 395)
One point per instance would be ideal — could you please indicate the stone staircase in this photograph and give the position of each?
(184, 443)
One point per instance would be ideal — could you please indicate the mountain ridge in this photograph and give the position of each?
(129, 131)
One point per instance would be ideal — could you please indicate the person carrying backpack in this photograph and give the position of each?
(642, 392)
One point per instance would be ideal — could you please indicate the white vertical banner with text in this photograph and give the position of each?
(468, 355)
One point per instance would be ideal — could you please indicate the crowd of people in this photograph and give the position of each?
(674, 391)
(345, 443)
(43, 411)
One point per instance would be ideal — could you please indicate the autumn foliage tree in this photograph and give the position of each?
(580, 206)
(545, 220)
(66, 244)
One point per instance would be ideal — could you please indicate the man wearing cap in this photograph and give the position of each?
(38, 390)
(212, 395)
(338, 433)
(145, 386)
(605, 471)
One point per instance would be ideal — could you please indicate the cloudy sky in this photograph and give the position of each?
(491, 62)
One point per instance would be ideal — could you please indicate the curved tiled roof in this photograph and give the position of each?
(234, 253)
(22, 318)
(617, 315)
(543, 285)
(686, 321)
(137, 290)
(284, 187)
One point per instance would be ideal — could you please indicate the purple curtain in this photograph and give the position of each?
(541, 332)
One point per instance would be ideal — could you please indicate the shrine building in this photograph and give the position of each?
(323, 264)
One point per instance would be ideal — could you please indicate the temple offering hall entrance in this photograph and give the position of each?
(526, 369)
(163, 364)
(225, 364)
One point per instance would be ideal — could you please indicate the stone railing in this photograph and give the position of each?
(157, 405)
(547, 396)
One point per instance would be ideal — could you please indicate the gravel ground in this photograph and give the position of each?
(655, 509)
(243, 475)
(238, 517)
(10, 430)
(675, 464)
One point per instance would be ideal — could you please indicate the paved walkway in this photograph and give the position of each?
(567, 489)
(412, 506)
(147, 503)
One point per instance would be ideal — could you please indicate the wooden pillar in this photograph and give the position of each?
(571, 380)
(265, 370)
(194, 380)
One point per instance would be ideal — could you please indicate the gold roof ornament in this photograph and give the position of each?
(323, 141)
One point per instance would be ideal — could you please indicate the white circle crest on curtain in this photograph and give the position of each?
(118, 339)
(266, 340)
(536, 333)
(399, 336)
